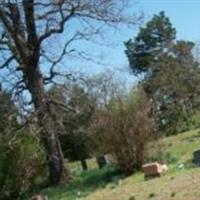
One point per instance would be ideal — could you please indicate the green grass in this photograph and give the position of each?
(108, 184)
(84, 183)
(182, 146)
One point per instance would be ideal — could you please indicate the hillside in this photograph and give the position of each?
(182, 181)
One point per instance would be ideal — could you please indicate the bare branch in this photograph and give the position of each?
(7, 62)
(30, 22)
(60, 29)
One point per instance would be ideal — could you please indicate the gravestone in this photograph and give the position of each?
(154, 169)
(196, 157)
(39, 197)
(101, 161)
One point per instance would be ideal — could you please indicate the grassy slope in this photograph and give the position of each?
(178, 184)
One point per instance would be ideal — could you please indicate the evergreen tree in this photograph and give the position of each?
(152, 41)
(171, 74)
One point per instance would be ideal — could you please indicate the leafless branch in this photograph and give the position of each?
(7, 62)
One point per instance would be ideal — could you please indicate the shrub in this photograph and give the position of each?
(21, 164)
(124, 129)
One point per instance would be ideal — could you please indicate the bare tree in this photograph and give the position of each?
(29, 30)
(124, 128)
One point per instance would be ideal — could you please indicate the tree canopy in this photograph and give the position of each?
(171, 73)
(153, 40)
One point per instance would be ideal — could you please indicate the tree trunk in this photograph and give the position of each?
(84, 164)
(101, 161)
(49, 130)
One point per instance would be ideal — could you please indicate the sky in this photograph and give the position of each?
(183, 14)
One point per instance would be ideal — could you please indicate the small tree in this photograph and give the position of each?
(153, 40)
(76, 115)
(124, 129)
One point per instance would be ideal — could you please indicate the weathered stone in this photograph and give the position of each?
(196, 156)
(154, 169)
(165, 168)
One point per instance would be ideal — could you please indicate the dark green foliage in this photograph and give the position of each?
(79, 108)
(171, 75)
(75, 146)
(21, 165)
(151, 43)
(21, 157)
(174, 88)
(76, 143)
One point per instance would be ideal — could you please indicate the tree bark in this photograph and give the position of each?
(49, 130)
(84, 164)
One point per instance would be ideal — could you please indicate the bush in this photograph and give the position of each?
(21, 164)
(189, 123)
(156, 151)
(124, 129)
